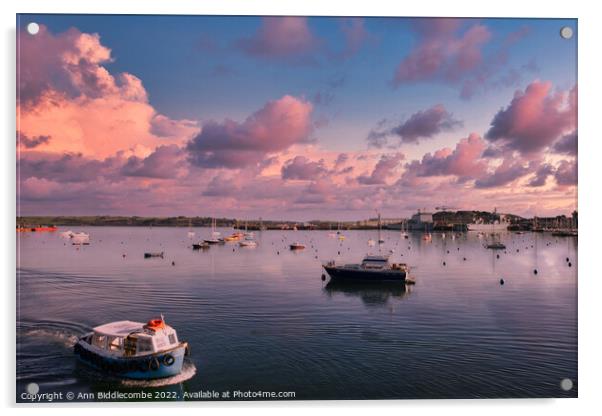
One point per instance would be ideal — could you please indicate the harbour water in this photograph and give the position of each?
(262, 319)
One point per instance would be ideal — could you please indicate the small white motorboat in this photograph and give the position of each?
(248, 243)
(78, 239)
(133, 349)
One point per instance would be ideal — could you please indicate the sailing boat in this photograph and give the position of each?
(495, 245)
(404, 232)
(247, 234)
(248, 241)
(380, 240)
(214, 234)
(339, 234)
(190, 232)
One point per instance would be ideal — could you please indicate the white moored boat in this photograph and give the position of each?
(78, 239)
(133, 349)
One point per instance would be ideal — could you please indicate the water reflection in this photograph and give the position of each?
(373, 295)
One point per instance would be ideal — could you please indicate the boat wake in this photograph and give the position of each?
(63, 333)
(60, 336)
(188, 371)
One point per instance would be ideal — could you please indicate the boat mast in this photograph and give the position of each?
(379, 240)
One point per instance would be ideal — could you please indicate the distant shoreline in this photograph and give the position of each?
(180, 221)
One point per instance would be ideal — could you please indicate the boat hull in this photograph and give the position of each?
(363, 275)
(159, 365)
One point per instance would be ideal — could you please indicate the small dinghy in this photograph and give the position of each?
(79, 239)
(133, 349)
(496, 246)
(248, 242)
(149, 255)
(203, 245)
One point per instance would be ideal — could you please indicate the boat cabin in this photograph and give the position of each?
(375, 262)
(128, 338)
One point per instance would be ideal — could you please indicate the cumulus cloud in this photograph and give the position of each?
(31, 142)
(493, 72)
(163, 126)
(534, 119)
(423, 124)
(452, 51)
(230, 144)
(222, 185)
(541, 175)
(341, 159)
(66, 168)
(282, 38)
(384, 168)
(317, 192)
(509, 171)
(66, 92)
(566, 173)
(302, 168)
(443, 51)
(567, 144)
(165, 162)
(464, 161)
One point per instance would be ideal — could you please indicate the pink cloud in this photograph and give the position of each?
(65, 92)
(492, 74)
(541, 175)
(464, 161)
(383, 170)
(31, 142)
(509, 171)
(567, 144)
(442, 52)
(275, 127)
(423, 124)
(317, 192)
(566, 173)
(301, 168)
(165, 162)
(67, 168)
(535, 118)
(280, 37)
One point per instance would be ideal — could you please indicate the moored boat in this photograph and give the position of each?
(248, 243)
(373, 268)
(149, 255)
(297, 246)
(39, 228)
(496, 245)
(133, 349)
(78, 239)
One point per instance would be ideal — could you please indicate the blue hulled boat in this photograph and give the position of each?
(133, 349)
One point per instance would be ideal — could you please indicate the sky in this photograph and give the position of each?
(295, 118)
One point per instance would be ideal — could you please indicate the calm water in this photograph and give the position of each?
(258, 320)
